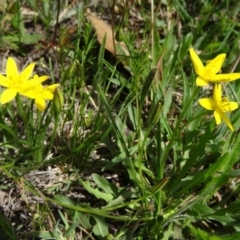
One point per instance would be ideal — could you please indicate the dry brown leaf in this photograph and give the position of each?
(103, 29)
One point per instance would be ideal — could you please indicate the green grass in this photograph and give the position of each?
(131, 155)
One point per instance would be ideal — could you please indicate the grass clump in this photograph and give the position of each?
(115, 144)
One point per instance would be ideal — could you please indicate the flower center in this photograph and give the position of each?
(38, 90)
(224, 105)
(15, 82)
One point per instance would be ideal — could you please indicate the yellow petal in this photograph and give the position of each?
(207, 103)
(197, 63)
(28, 85)
(27, 72)
(201, 82)
(217, 117)
(4, 81)
(214, 66)
(31, 94)
(8, 95)
(226, 120)
(47, 95)
(40, 103)
(233, 106)
(229, 106)
(217, 94)
(52, 87)
(228, 77)
(40, 79)
(11, 68)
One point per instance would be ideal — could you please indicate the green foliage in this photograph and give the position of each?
(137, 156)
(7, 230)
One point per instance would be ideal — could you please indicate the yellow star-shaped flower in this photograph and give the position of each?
(40, 94)
(209, 73)
(16, 82)
(220, 105)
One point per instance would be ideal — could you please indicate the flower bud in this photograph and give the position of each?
(58, 100)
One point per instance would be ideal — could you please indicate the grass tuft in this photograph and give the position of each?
(122, 149)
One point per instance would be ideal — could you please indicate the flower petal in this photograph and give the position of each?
(31, 94)
(228, 77)
(40, 103)
(214, 66)
(226, 120)
(233, 105)
(28, 85)
(8, 95)
(201, 82)
(217, 117)
(47, 92)
(4, 81)
(27, 72)
(197, 63)
(229, 106)
(217, 94)
(11, 68)
(39, 79)
(52, 87)
(47, 95)
(207, 103)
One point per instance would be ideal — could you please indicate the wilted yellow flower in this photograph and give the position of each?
(40, 94)
(209, 73)
(220, 105)
(16, 82)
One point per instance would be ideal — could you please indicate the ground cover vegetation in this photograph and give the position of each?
(119, 119)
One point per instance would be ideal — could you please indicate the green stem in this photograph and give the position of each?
(54, 133)
(42, 124)
(24, 117)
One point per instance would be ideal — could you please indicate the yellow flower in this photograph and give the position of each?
(220, 105)
(209, 72)
(40, 93)
(16, 82)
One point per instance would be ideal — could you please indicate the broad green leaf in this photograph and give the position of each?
(64, 200)
(232, 208)
(200, 234)
(225, 220)
(68, 203)
(83, 218)
(168, 233)
(104, 184)
(203, 209)
(100, 229)
(105, 196)
(123, 196)
(32, 38)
